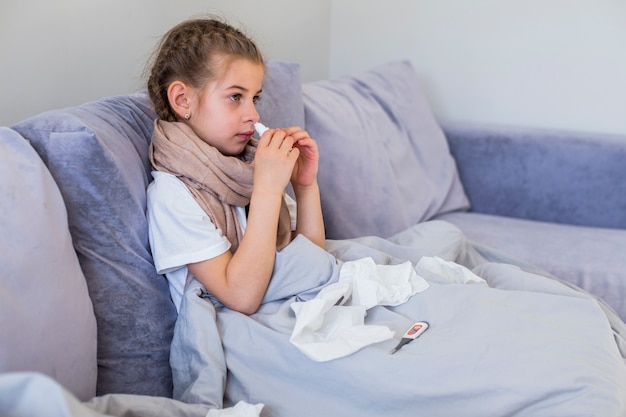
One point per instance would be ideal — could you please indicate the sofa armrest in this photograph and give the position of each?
(541, 174)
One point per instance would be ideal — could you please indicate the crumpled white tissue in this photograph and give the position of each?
(241, 409)
(435, 269)
(332, 325)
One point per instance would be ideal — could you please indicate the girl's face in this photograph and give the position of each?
(225, 111)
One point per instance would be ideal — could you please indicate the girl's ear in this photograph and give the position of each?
(178, 96)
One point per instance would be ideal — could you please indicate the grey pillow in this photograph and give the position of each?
(46, 316)
(384, 161)
(98, 154)
(281, 101)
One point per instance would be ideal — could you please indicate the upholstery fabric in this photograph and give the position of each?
(97, 153)
(384, 161)
(46, 315)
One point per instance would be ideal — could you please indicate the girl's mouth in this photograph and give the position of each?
(245, 135)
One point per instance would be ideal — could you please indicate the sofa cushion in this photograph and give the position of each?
(384, 161)
(46, 315)
(98, 154)
(589, 257)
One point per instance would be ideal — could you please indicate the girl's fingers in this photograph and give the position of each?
(295, 132)
(293, 155)
(279, 138)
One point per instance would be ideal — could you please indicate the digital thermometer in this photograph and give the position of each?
(413, 333)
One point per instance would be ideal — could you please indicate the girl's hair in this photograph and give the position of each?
(192, 52)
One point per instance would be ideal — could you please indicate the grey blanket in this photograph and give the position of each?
(525, 345)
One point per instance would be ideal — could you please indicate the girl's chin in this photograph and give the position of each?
(234, 151)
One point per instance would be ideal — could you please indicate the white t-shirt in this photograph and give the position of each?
(180, 232)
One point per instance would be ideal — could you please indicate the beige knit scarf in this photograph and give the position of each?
(217, 182)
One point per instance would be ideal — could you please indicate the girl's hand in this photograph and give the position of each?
(274, 161)
(305, 169)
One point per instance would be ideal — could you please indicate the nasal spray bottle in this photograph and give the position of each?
(260, 128)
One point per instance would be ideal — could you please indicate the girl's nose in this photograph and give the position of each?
(252, 114)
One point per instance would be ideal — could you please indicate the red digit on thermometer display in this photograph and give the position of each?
(414, 329)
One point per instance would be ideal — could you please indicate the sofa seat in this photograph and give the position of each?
(588, 262)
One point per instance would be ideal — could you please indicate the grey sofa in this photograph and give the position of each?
(80, 300)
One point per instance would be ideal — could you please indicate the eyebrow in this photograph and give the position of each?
(238, 87)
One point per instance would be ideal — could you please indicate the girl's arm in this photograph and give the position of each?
(240, 280)
(309, 218)
(310, 222)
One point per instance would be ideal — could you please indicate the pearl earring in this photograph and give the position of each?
(187, 116)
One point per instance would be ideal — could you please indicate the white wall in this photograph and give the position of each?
(551, 63)
(57, 53)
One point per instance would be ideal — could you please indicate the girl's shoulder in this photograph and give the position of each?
(164, 183)
(168, 192)
(169, 201)
(160, 178)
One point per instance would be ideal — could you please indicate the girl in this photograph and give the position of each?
(217, 208)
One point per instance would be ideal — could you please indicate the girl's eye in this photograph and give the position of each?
(256, 99)
(235, 97)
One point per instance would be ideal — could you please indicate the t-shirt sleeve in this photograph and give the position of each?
(180, 232)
